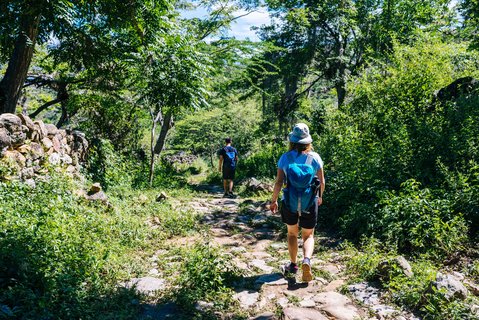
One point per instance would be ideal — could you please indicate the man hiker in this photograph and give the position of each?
(227, 166)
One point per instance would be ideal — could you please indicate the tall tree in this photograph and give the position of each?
(85, 33)
(470, 10)
(327, 41)
(175, 77)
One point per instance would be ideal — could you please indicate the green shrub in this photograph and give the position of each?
(178, 223)
(108, 166)
(364, 263)
(415, 293)
(393, 130)
(206, 275)
(262, 163)
(415, 219)
(61, 256)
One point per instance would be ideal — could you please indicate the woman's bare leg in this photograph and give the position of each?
(293, 242)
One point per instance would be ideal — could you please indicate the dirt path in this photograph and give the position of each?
(254, 239)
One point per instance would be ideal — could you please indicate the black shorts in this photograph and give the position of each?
(228, 173)
(307, 220)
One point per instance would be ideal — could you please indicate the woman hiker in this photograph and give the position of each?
(301, 169)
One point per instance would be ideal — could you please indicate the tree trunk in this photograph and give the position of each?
(340, 82)
(165, 127)
(155, 120)
(341, 92)
(16, 73)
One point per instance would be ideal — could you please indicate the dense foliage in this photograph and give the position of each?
(401, 153)
(389, 90)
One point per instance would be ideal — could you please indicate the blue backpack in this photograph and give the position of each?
(230, 159)
(300, 191)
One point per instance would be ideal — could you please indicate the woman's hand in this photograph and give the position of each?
(273, 206)
(320, 201)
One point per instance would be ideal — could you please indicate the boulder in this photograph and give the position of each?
(51, 129)
(47, 143)
(15, 157)
(161, 197)
(254, 185)
(98, 196)
(27, 173)
(385, 267)
(26, 121)
(36, 150)
(146, 285)
(66, 159)
(79, 145)
(452, 286)
(96, 187)
(56, 144)
(5, 140)
(10, 122)
(13, 128)
(474, 288)
(39, 131)
(54, 159)
(24, 149)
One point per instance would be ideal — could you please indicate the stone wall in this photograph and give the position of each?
(28, 147)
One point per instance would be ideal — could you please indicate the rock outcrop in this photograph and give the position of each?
(27, 147)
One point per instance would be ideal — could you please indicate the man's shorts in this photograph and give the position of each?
(228, 173)
(307, 220)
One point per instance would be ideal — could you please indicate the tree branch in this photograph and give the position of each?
(45, 106)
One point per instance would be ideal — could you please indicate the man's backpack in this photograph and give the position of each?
(301, 186)
(230, 158)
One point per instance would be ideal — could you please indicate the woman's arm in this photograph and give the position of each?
(320, 175)
(277, 188)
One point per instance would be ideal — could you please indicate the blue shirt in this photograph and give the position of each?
(299, 159)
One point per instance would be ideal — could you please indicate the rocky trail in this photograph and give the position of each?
(253, 239)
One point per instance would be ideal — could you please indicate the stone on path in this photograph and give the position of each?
(264, 316)
(146, 285)
(365, 293)
(261, 264)
(283, 302)
(307, 304)
(161, 312)
(331, 268)
(334, 285)
(303, 314)
(337, 305)
(246, 298)
(219, 232)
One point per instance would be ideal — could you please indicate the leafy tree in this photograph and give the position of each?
(86, 34)
(393, 130)
(325, 42)
(176, 78)
(470, 10)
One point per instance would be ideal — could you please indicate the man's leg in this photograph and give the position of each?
(225, 185)
(293, 242)
(230, 186)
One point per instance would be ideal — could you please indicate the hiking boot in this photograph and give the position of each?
(226, 195)
(290, 270)
(306, 267)
(231, 195)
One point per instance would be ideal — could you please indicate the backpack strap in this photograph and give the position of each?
(309, 159)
